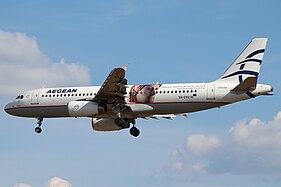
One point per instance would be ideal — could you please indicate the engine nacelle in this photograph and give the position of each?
(106, 125)
(85, 108)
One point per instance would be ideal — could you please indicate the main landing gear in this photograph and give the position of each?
(125, 123)
(134, 131)
(38, 129)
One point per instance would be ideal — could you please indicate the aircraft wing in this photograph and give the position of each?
(113, 90)
(166, 116)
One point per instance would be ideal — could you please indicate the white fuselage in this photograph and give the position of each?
(164, 99)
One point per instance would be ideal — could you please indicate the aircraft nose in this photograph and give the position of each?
(271, 89)
(8, 108)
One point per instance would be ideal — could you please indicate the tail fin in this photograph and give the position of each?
(247, 64)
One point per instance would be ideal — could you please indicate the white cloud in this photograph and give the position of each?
(53, 182)
(257, 133)
(21, 185)
(58, 182)
(24, 66)
(249, 148)
(200, 144)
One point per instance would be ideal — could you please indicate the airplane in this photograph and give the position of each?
(115, 105)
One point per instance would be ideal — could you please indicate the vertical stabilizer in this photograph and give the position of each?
(247, 64)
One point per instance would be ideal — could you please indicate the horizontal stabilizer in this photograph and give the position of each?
(249, 84)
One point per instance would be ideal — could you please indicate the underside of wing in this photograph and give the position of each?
(166, 116)
(113, 90)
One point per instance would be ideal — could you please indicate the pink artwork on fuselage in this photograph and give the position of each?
(143, 93)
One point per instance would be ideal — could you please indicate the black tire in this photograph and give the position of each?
(134, 131)
(38, 130)
(120, 122)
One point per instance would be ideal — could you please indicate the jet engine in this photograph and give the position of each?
(85, 108)
(106, 125)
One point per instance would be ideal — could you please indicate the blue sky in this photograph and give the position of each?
(64, 43)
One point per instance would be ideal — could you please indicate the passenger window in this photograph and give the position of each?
(191, 91)
(87, 94)
(187, 91)
(167, 91)
(79, 94)
(160, 92)
(179, 91)
(183, 91)
(83, 94)
(195, 91)
(91, 94)
(64, 95)
(54, 95)
(175, 91)
(172, 91)
(42, 95)
(72, 95)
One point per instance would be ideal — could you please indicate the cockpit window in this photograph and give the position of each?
(20, 97)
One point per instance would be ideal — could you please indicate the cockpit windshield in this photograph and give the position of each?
(20, 97)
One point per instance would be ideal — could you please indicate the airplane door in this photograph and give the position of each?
(211, 92)
(35, 96)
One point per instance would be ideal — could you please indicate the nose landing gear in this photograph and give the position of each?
(38, 129)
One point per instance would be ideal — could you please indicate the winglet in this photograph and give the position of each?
(125, 66)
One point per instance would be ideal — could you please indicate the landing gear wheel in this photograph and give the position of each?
(120, 122)
(134, 131)
(38, 130)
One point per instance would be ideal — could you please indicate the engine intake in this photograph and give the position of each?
(85, 108)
